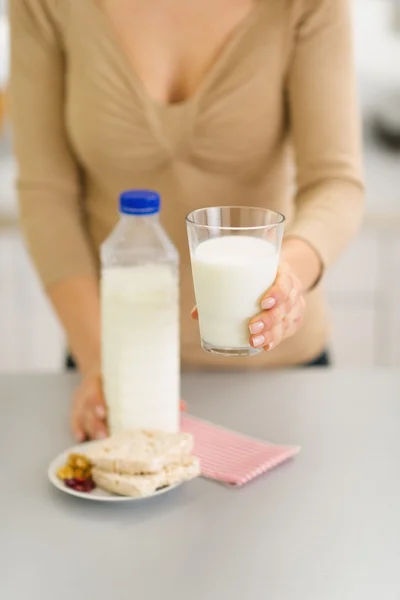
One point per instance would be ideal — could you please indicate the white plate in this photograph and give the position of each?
(97, 494)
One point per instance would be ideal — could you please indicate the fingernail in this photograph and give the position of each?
(101, 435)
(100, 412)
(258, 340)
(270, 346)
(268, 303)
(256, 327)
(80, 437)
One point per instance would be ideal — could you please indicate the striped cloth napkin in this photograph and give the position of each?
(231, 457)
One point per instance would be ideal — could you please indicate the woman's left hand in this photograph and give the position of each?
(283, 311)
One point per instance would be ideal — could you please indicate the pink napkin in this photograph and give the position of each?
(231, 457)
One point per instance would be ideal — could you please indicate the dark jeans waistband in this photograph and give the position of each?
(323, 360)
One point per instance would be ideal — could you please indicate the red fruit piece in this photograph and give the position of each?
(89, 485)
(80, 485)
(71, 483)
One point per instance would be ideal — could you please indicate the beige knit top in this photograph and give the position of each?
(85, 128)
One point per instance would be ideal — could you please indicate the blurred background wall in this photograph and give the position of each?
(364, 287)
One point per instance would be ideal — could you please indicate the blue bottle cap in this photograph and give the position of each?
(139, 202)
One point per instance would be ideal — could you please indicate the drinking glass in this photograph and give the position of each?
(234, 253)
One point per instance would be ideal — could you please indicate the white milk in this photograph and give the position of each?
(231, 274)
(140, 345)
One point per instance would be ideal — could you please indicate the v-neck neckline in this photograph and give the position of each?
(233, 40)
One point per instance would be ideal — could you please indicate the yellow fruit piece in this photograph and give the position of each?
(77, 467)
(72, 460)
(65, 472)
(81, 462)
(78, 461)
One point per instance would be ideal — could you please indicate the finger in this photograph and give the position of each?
(94, 416)
(94, 398)
(279, 292)
(296, 320)
(269, 339)
(268, 319)
(95, 428)
(94, 392)
(298, 309)
(76, 421)
(194, 313)
(277, 336)
(293, 327)
(76, 427)
(292, 323)
(99, 408)
(270, 327)
(262, 340)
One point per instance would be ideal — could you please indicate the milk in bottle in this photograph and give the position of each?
(140, 319)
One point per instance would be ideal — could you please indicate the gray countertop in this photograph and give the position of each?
(325, 526)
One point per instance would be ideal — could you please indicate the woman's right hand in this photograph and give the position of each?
(89, 413)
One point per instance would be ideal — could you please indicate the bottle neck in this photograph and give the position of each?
(140, 218)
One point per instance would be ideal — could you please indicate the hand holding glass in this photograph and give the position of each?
(235, 255)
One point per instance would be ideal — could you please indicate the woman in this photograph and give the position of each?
(201, 101)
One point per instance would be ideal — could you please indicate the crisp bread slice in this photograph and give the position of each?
(137, 452)
(140, 486)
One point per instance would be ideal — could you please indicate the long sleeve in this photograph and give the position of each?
(325, 127)
(50, 190)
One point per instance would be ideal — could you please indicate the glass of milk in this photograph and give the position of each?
(235, 254)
